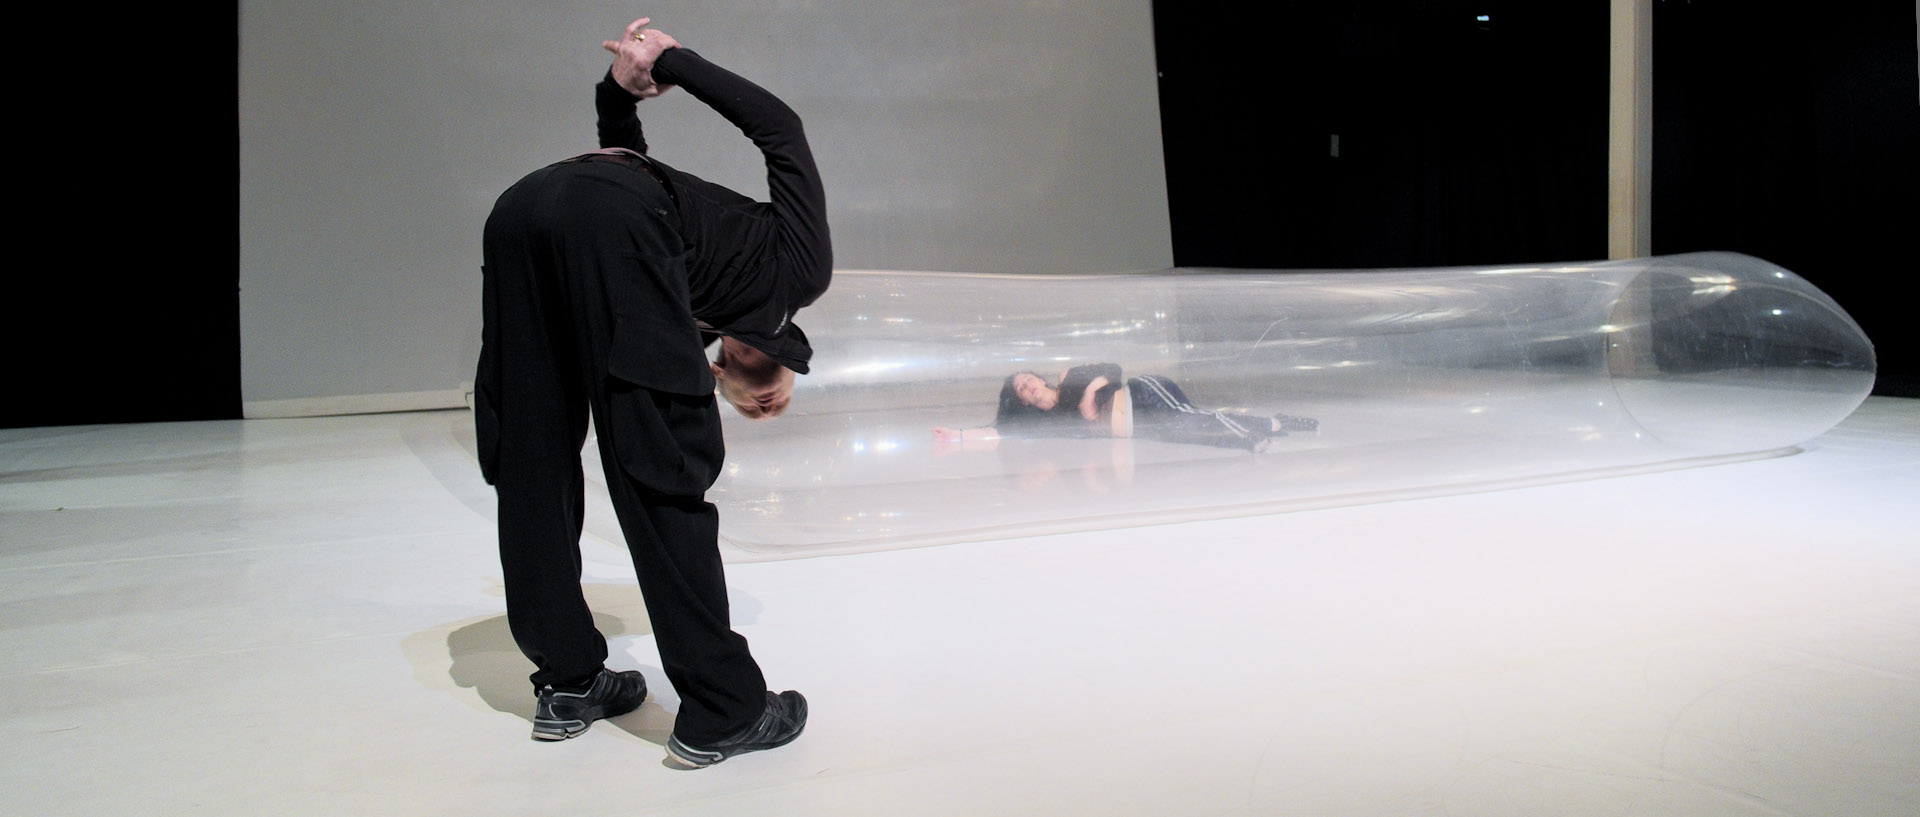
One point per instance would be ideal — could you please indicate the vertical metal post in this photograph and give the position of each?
(1630, 181)
(1630, 131)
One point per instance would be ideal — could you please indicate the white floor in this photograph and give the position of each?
(304, 617)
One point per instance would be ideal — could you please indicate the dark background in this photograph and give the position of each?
(124, 303)
(1790, 137)
(1795, 137)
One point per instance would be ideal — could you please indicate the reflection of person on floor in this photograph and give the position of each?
(1153, 407)
(1093, 468)
(606, 276)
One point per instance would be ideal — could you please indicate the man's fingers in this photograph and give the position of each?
(637, 25)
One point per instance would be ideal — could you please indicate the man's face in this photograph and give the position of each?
(757, 385)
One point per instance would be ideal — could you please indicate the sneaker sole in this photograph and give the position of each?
(557, 730)
(701, 758)
(689, 756)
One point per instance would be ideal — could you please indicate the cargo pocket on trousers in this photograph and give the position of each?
(670, 443)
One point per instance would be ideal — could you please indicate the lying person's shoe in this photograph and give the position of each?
(786, 715)
(1288, 422)
(559, 714)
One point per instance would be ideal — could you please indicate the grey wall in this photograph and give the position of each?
(992, 135)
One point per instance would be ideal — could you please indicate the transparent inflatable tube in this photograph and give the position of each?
(1428, 381)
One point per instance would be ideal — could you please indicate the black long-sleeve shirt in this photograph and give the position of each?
(1073, 387)
(751, 265)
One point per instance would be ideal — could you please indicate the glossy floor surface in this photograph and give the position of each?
(304, 617)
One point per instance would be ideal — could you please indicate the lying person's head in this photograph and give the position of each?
(1024, 396)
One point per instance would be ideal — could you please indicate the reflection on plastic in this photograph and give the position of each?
(1424, 381)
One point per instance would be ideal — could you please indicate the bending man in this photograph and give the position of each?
(606, 278)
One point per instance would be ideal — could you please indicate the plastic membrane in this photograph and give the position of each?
(1424, 382)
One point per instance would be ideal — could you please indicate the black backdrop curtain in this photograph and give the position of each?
(123, 300)
(1377, 133)
(1371, 134)
(1795, 137)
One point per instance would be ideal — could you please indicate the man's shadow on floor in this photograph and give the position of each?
(479, 654)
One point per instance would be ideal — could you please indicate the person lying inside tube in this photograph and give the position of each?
(1096, 400)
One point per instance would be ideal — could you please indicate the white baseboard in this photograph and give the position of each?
(357, 404)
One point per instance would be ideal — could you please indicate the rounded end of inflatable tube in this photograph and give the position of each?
(1719, 353)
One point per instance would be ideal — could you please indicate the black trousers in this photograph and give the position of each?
(586, 313)
(1161, 411)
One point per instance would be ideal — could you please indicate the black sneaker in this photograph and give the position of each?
(786, 715)
(558, 715)
(1289, 422)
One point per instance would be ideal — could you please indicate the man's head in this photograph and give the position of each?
(758, 386)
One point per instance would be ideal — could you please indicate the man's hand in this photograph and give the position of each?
(634, 55)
